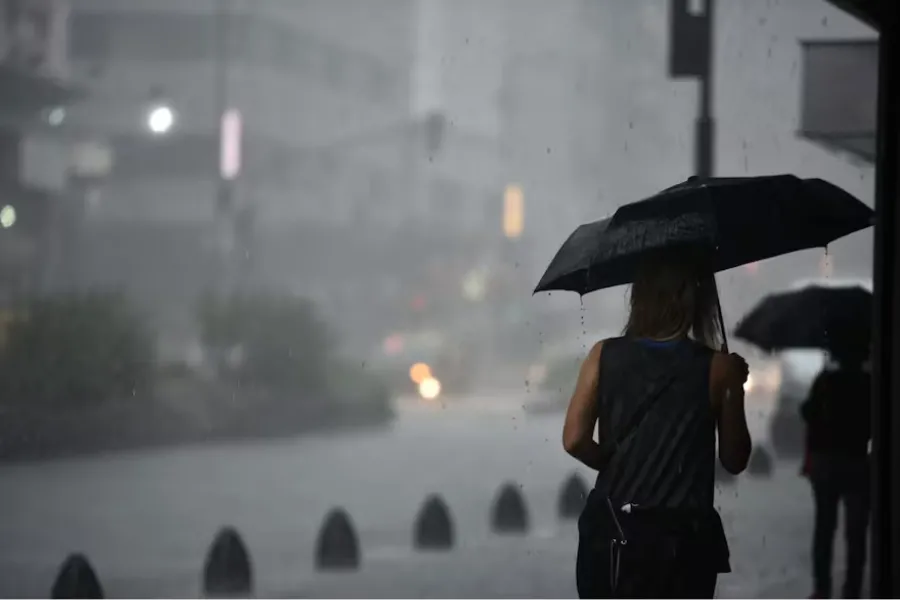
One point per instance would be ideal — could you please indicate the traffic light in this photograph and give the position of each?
(690, 37)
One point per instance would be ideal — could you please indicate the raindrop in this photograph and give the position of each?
(824, 21)
(548, 150)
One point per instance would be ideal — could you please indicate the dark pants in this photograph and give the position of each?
(835, 480)
(662, 558)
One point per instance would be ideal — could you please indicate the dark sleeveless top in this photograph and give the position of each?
(669, 460)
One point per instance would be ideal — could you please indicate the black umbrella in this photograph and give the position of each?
(837, 319)
(736, 220)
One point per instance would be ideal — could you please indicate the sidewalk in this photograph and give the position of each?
(769, 524)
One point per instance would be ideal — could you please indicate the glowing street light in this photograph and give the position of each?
(7, 216)
(160, 119)
(56, 116)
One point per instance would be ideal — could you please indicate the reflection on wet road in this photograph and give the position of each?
(146, 519)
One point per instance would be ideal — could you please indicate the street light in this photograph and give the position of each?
(160, 119)
(7, 216)
(56, 116)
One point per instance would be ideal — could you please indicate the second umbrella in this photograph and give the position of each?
(836, 319)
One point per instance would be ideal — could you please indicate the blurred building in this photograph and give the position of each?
(34, 158)
(840, 95)
(321, 93)
(379, 142)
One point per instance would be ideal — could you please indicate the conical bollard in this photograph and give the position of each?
(433, 529)
(572, 497)
(227, 571)
(761, 464)
(509, 514)
(338, 545)
(76, 579)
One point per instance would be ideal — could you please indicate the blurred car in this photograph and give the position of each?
(426, 363)
(786, 430)
(551, 379)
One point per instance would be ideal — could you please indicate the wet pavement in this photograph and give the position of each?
(146, 519)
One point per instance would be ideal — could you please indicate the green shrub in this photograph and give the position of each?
(282, 342)
(351, 385)
(75, 348)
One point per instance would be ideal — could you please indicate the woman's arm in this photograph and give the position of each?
(729, 372)
(581, 416)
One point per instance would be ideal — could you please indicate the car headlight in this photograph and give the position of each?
(430, 388)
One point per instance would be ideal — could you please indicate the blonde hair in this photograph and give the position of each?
(674, 295)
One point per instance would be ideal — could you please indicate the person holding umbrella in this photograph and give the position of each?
(659, 394)
(837, 413)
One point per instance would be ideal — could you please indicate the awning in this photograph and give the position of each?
(866, 11)
(839, 95)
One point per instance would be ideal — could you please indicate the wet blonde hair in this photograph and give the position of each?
(675, 295)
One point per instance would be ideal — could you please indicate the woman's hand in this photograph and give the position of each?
(740, 367)
(729, 373)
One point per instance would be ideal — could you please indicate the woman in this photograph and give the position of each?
(838, 429)
(657, 396)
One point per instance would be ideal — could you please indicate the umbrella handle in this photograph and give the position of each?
(721, 318)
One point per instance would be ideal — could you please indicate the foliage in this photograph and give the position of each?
(353, 386)
(275, 341)
(75, 348)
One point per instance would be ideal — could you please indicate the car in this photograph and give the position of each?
(798, 370)
(425, 363)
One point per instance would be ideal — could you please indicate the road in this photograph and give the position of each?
(146, 519)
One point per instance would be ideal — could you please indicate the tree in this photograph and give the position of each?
(275, 341)
(75, 348)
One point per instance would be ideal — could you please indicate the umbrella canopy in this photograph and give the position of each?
(736, 220)
(836, 319)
